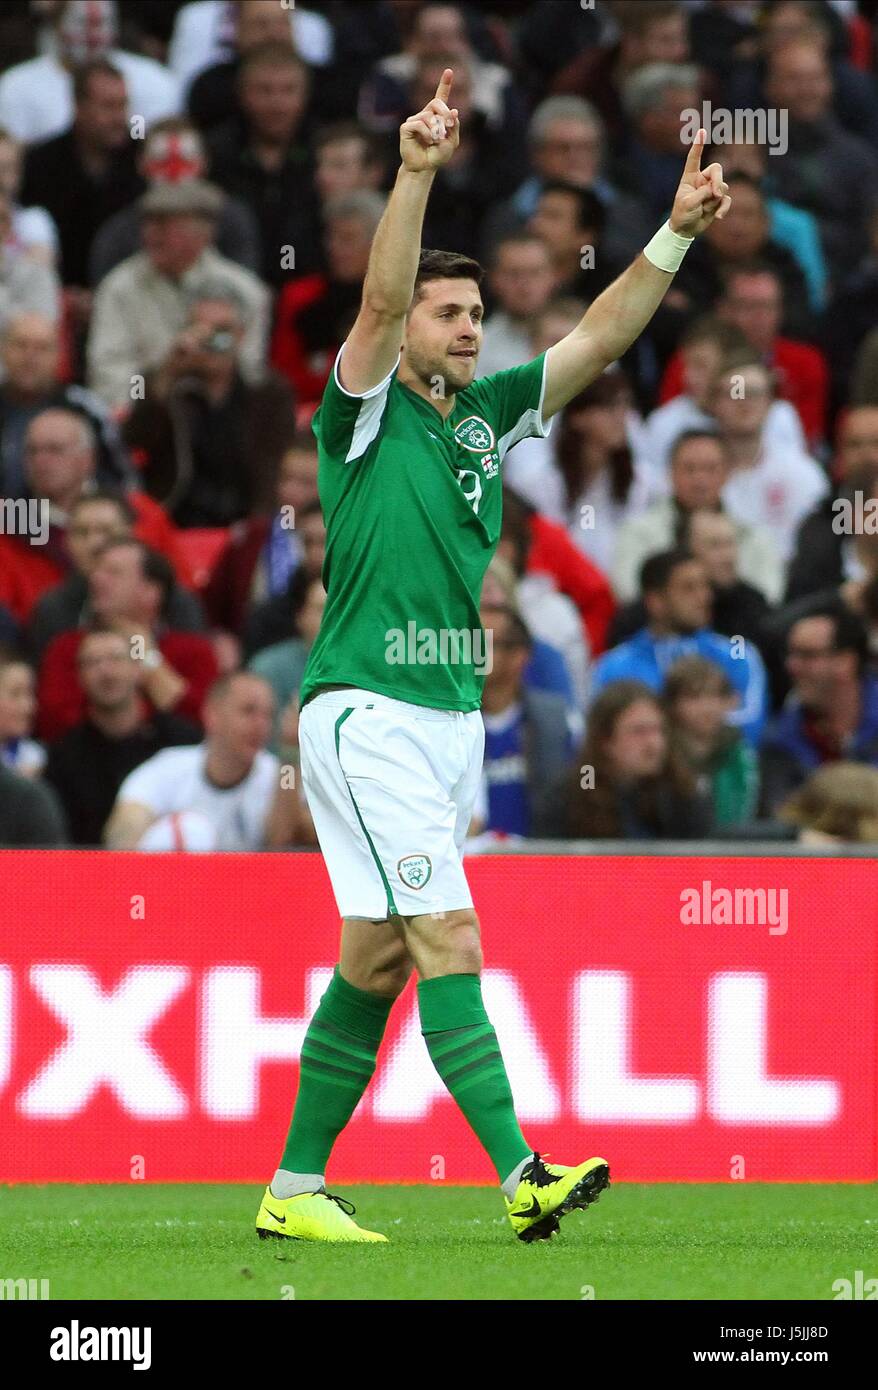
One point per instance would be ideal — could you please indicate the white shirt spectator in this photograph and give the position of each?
(174, 780)
(138, 312)
(27, 287)
(204, 33)
(36, 97)
(504, 345)
(779, 491)
(782, 430)
(534, 475)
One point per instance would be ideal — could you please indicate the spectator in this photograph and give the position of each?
(440, 33)
(18, 704)
(143, 304)
(831, 712)
(210, 38)
(838, 804)
(698, 473)
(27, 286)
(527, 737)
(129, 588)
(263, 157)
(627, 782)
(348, 159)
(282, 664)
(654, 97)
(677, 597)
(316, 312)
(268, 619)
(699, 698)
(208, 443)
(87, 173)
(60, 453)
(743, 237)
(753, 303)
(116, 734)
(549, 667)
(780, 485)
(787, 21)
(30, 816)
(264, 554)
(520, 279)
(592, 480)
(824, 164)
(828, 552)
(229, 781)
(702, 348)
(36, 97)
(567, 220)
(94, 519)
(30, 353)
(650, 31)
(173, 152)
(32, 229)
(566, 144)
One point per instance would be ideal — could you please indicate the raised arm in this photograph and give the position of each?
(426, 142)
(619, 315)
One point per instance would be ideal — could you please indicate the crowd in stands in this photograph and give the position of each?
(683, 607)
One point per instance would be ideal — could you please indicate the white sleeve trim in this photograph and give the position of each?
(371, 411)
(361, 395)
(531, 425)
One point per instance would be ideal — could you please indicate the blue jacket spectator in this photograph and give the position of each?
(677, 596)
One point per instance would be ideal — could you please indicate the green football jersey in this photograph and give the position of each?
(412, 504)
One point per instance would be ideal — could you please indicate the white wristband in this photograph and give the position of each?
(667, 248)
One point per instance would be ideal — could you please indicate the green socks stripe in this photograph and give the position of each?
(464, 1050)
(337, 1062)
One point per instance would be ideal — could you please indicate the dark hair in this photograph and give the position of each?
(444, 265)
(272, 53)
(157, 568)
(656, 571)
(83, 74)
(686, 436)
(741, 176)
(849, 632)
(118, 500)
(740, 268)
(595, 813)
(519, 633)
(590, 210)
(605, 390)
(337, 131)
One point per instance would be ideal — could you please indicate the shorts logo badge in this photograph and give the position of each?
(415, 870)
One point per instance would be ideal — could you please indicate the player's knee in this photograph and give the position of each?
(387, 974)
(453, 944)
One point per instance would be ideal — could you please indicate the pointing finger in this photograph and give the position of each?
(693, 158)
(444, 89)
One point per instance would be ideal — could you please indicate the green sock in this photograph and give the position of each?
(337, 1062)
(464, 1050)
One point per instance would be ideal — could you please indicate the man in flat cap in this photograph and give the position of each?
(142, 305)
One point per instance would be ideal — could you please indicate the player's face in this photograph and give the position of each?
(443, 334)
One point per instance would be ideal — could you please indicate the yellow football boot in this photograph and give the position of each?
(548, 1191)
(311, 1216)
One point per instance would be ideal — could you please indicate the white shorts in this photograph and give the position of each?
(391, 789)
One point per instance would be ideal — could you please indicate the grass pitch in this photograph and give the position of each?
(639, 1242)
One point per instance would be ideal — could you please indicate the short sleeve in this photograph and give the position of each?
(345, 424)
(513, 402)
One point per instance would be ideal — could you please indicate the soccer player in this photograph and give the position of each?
(411, 450)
